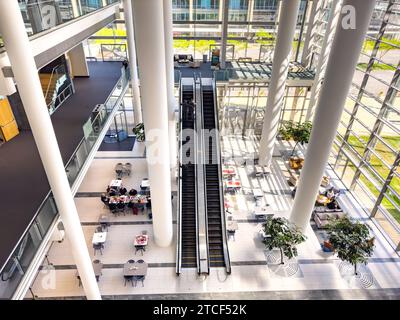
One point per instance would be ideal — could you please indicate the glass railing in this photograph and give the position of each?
(43, 15)
(22, 257)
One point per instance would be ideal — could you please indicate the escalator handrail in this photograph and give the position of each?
(221, 187)
(195, 179)
(203, 164)
(179, 200)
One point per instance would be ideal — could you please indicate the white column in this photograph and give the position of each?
(75, 8)
(149, 25)
(17, 44)
(130, 33)
(339, 74)
(323, 57)
(77, 58)
(169, 65)
(224, 34)
(280, 67)
(310, 34)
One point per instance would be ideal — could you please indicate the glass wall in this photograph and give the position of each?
(367, 146)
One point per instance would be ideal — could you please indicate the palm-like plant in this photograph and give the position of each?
(351, 241)
(283, 235)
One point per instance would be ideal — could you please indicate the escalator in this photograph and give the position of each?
(213, 192)
(202, 238)
(188, 192)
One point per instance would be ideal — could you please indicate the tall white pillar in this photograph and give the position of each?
(78, 63)
(75, 8)
(169, 65)
(224, 33)
(342, 63)
(323, 57)
(280, 67)
(17, 44)
(149, 26)
(130, 33)
(310, 34)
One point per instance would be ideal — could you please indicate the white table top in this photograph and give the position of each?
(99, 237)
(259, 169)
(258, 193)
(145, 183)
(260, 211)
(116, 183)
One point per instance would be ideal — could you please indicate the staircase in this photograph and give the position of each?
(49, 83)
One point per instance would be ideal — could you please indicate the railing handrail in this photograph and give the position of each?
(53, 71)
(221, 187)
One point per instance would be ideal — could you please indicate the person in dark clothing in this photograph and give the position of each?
(105, 199)
(125, 63)
(123, 191)
(133, 192)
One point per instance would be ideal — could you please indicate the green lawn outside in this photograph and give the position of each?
(380, 168)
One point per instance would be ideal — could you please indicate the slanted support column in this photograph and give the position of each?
(130, 33)
(224, 34)
(280, 67)
(310, 35)
(323, 57)
(169, 65)
(17, 44)
(75, 8)
(149, 26)
(334, 91)
(77, 58)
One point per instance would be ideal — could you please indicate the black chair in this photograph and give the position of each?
(139, 278)
(98, 247)
(231, 234)
(131, 261)
(128, 279)
(140, 261)
(121, 207)
(142, 249)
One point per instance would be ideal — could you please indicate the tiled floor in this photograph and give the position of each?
(313, 275)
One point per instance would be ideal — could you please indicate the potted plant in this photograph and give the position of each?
(351, 241)
(283, 235)
(298, 132)
(138, 130)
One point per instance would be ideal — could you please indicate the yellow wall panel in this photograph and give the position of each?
(10, 130)
(6, 114)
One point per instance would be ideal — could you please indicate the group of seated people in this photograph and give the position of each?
(332, 194)
(119, 200)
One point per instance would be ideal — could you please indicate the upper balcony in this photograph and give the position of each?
(55, 26)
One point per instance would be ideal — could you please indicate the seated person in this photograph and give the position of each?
(112, 193)
(332, 204)
(112, 206)
(133, 192)
(104, 198)
(121, 205)
(330, 193)
(123, 191)
(108, 189)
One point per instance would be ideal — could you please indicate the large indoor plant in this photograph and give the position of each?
(299, 133)
(138, 130)
(351, 241)
(282, 234)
